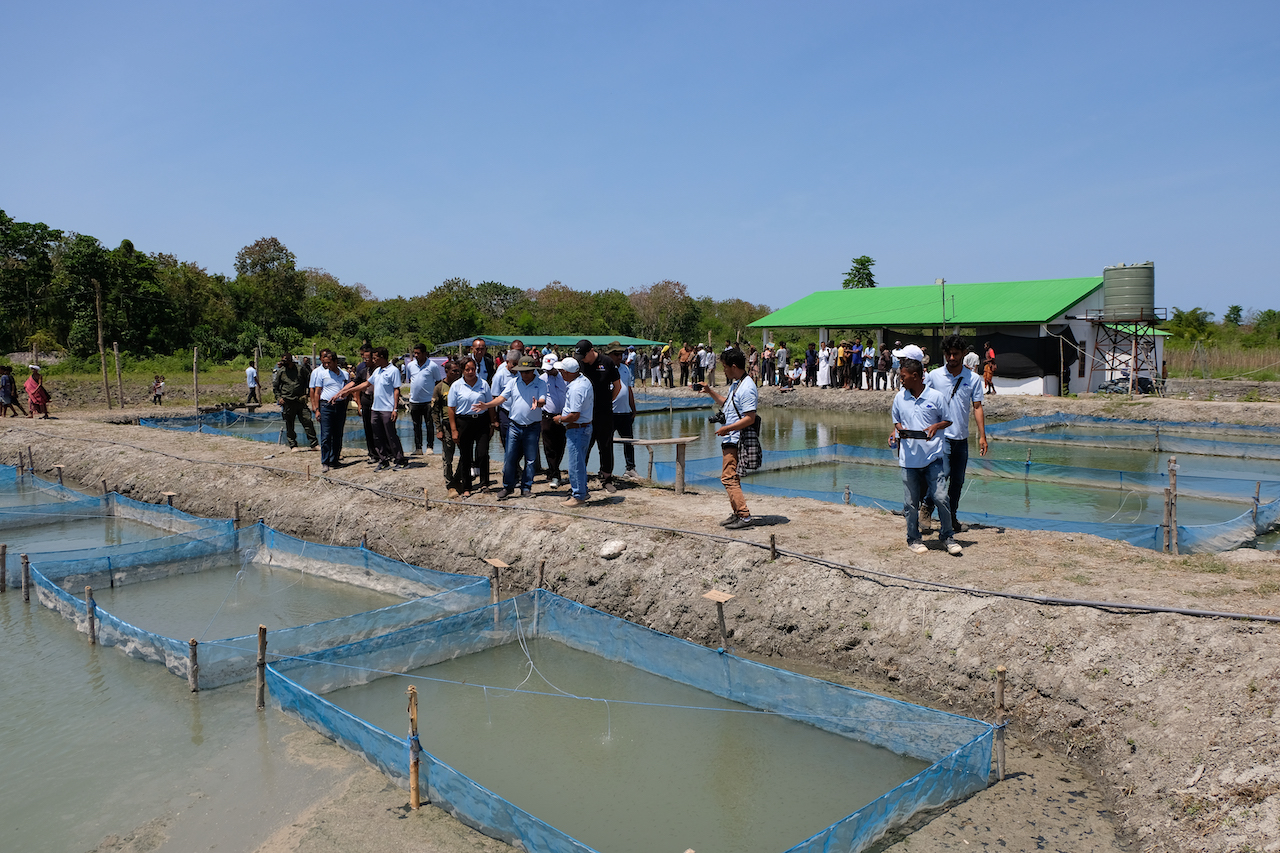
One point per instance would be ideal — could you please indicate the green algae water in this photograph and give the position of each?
(233, 599)
(709, 774)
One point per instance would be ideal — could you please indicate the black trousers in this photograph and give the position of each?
(602, 438)
(473, 451)
(624, 425)
(422, 412)
(298, 410)
(684, 373)
(385, 438)
(553, 438)
(366, 415)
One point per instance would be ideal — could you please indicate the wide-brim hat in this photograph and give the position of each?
(614, 346)
(527, 362)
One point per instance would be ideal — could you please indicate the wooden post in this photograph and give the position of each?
(102, 349)
(262, 667)
(542, 567)
(21, 467)
(115, 345)
(680, 467)
(26, 579)
(649, 476)
(720, 598)
(1257, 497)
(1168, 500)
(426, 499)
(1173, 504)
(105, 490)
(308, 472)
(195, 377)
(364, 540)
(193, 671)
(4, 568)
(773, 546)
(59, 468)
(495, 584)
(414, 749)
(88, 609)
(236, 523)
(168, 497)
(31, 461)
(1000, 719)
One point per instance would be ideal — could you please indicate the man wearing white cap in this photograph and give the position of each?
(579, 408)
(920, 416)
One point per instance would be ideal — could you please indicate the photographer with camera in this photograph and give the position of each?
(737, 416)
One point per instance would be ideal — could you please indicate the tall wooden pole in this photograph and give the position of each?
(415, 749)
(4, 567)
(102, 349)
(89, 612)
(195, 376)
(1000, 720)
(1173, 504)
(262, 667)
(115, 346)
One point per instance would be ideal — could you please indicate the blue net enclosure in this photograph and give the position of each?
(1206, 439)
(286, 568)
(932, 757)
(1215, 513)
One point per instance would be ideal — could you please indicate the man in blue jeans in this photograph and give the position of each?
(919, 419)
(526, 393)
(327, 382)
(579, 407)
(962, 389)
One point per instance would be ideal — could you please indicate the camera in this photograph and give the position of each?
(698, 386)
(717, 418)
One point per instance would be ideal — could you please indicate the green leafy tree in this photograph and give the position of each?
(1192, 325)
(1265, 329)
(269, 286)
(665, 312)
(1234, 315)
(859, 274)
(450, 312)
(26, 277)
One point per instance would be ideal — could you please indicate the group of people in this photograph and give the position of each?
(37, 394)
(551, 411)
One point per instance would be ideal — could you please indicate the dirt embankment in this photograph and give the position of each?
(1172, 715)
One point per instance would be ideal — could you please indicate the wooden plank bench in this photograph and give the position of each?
(680, 442)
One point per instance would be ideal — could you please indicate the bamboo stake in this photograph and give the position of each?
(237, 515)
(195, 376)
(59, 470)
(1257, 496)
(115, 345)
(105, 490)
(26, 579)
(1173, 503)
(89, 608)
(102, 349)
(262, 667)
(415, 749)
(20, 463)
(193, 671)
(773, 546)
(31, 461)
(1000, 719)
(1168, 498)
(542, 567)
(426, 499)
(4, 567)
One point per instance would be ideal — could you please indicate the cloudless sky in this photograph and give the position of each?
(746, 149)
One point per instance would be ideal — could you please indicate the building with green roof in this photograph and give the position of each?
(1048, 334)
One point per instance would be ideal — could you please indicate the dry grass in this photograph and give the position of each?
(1227, 361)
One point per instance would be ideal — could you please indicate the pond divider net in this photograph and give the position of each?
(957, 748)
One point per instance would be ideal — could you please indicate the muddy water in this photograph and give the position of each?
(232, 599)
(625, 778)
(74, 534)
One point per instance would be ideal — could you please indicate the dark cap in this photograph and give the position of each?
(527, 362)
(583, 347)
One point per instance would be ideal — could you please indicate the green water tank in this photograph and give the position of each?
(1129, 292)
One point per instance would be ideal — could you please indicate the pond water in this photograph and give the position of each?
(712, 775)
(233, 599)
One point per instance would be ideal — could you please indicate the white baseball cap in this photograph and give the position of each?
(549, 361)
(910, 351)
(569, 364)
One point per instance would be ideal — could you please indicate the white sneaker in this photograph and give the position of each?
(427, 452)
(953, 548)
(919, 548)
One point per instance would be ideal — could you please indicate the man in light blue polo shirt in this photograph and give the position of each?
(423, 374)
(919, 419)
(526, 394)
(384, 381)
(962, 389)
(326, 384)
(579, 407)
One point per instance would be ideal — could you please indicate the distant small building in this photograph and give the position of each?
(1049, 335)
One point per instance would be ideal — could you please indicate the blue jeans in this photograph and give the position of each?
(333, 419)
(957, 462)
(577, 445)
(930, 480)
(521, 441)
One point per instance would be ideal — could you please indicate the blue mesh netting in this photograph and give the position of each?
(1235, 532)
(1256, 442)
(61, 577)
(958, 748)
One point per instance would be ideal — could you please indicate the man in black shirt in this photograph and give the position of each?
(606, 383)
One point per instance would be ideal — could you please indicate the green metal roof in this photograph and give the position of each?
(990, 303)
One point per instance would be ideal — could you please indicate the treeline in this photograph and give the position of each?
(51, 283)
(1252, 329)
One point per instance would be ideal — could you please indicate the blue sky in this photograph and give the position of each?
(746, 149)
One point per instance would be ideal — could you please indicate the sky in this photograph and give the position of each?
(749, 150)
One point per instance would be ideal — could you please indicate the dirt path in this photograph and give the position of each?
(1163, 720)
